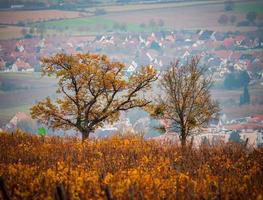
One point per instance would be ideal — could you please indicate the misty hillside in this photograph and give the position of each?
(65, 3)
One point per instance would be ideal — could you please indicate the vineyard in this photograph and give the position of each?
(126, 167)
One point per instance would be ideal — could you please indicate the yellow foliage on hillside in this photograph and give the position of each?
(127, 168)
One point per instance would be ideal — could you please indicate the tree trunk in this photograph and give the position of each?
(183, 146)
(183, 142)
(183, 138)
(85, 135)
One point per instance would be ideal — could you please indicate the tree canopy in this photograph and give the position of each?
(93, 91)
(245, 97)
(236, 80)
(229, 5)
(235, 137)
(251, 16)
(185, 100)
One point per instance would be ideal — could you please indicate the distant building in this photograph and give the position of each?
(17, 6)
(20, 116)
(2, 64)
(259, 140)
(21, 65)
(132, 67)
(122, 126)
(210, 138)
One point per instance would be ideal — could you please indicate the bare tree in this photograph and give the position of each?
(186, 100)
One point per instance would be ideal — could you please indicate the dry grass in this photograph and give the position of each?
(127, 168)
(205, 15)
(137, 7)
(27, 88)
(10, 32)
(13, 17)
(243, 111)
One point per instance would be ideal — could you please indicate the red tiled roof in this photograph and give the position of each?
(257, 117)
(223, 54)
(240, 38)
(170, 38)
(235, 55)
(228, 42)
(22, 116)
(22, 65)
(2, 63)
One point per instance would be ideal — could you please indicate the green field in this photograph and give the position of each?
(249, 7)
(9, 112)
(119, 18)
(152, 6)
(21, 91)
(136, 18)
(95, 25)
(19, 75)
(75, 23)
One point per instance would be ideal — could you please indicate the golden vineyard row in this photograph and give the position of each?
(127, 168)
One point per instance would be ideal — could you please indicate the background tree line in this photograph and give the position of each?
(236, 80)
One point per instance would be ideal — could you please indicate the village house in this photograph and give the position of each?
(254, 138)
(205, 35)
(132, 68)
(20, 116)
(157, 48)
(20, 46)
(2, 64)
(21, 65)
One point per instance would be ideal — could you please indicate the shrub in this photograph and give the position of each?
(229, 5)
(243, 23)
(251, 16)
(223, 20)
(127, 167)
(100, 11)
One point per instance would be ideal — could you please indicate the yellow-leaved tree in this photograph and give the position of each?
(93, 91)
(185, 100)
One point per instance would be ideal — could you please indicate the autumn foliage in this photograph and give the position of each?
(127, 167)
(93, 91)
